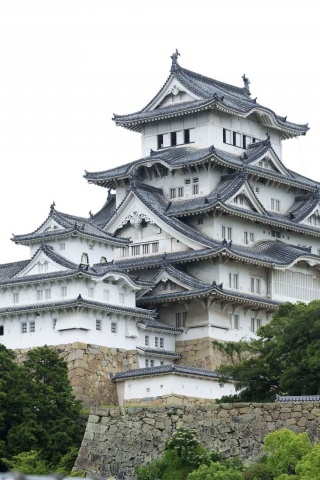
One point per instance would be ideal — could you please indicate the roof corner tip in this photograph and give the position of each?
(175, 65)
(52, 206)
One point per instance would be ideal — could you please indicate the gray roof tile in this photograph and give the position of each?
(163, 370)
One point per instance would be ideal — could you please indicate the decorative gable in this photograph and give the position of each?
(40, 264)
(246, 199)
(174, 92)
(49, 226)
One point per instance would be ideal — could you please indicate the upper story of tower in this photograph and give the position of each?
(191, 109)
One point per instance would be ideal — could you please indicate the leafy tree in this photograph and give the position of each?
(28, 462)
(258, 471)
(285, 358)
(285, 449)
(215, 471)
(39, 411)
(309, 466)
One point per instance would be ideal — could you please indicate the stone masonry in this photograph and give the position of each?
(200, 353)
(89, 370)
(121, 438)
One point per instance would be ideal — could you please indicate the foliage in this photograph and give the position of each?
(38, 411)
(28, 462)
(258, 471)
(309, 466)
(284, 359)
(215, 471)
(285, 449)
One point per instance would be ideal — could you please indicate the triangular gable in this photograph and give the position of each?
(134, 212)
(50, 225)
(39, 264)
(172, 92)
(246, 199)
(313, 219)
(271, 162)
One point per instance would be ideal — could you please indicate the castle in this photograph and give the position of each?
(200, 239)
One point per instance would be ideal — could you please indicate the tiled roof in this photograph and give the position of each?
(77, 302)
(156, 325)
(158, 204)
(265, 252)
(9, 271)
(179, 157)
(211, 94)
(303, 206)
(158, 352)
(102, 217)
(298, 398)
(71, 225)
(163, 370)
(213, 290)
(180, 276)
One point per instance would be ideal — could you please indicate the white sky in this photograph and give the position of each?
(67, 65)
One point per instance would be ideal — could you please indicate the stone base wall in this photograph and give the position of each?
(200, 353)
(89, 368)
(121, 438)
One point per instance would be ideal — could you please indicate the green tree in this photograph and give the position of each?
(215, 471)
(309, 466)
(285, 449)
(285, 358)
(39, 410)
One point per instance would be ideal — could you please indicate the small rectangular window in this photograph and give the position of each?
(155, 247)
(237, 139)
(246, 240)
(160, 141)
(39, 294)
(252, 285)
(161, 342)
(187, 181)
(181, 319)
(195, 189)
(156, 342)
(200, 221)
(32, 327)
(275, 233)
(236, 322)
(251, 237)
(91, 247)
(161, 362)
(227, 136)
(145, 248)
(47, 293)
(121, 297)
(146, 363)
(223, 232)
(275, 205)
(229, 233)
(54, 323)
(258, 323)
(1, 330)
(253, 328)
(24, 327)
(16, 298)
(62, 246)
(173, 193)
(235, 280)
(151, 365)
(258, 285)
(135, 250)
(146, 340)
(196, 180)
(114, 327)
(63, 291)
(187, 136)
(180, 192)
(98, 324)
(173, 139)
(90, 292)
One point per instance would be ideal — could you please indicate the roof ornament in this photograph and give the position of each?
(224, 242)
(152, 152)
(53, 204)
(79, 297)
(90, 213)
(174, 57)
(133, 178)
(267, 141)
(246, 83)
(230, 244)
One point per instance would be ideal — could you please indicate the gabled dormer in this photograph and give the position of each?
(194, 108)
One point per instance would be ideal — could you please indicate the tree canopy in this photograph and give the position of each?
(39, 419)
(284, 359)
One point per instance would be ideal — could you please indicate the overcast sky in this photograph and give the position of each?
(67, 65)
